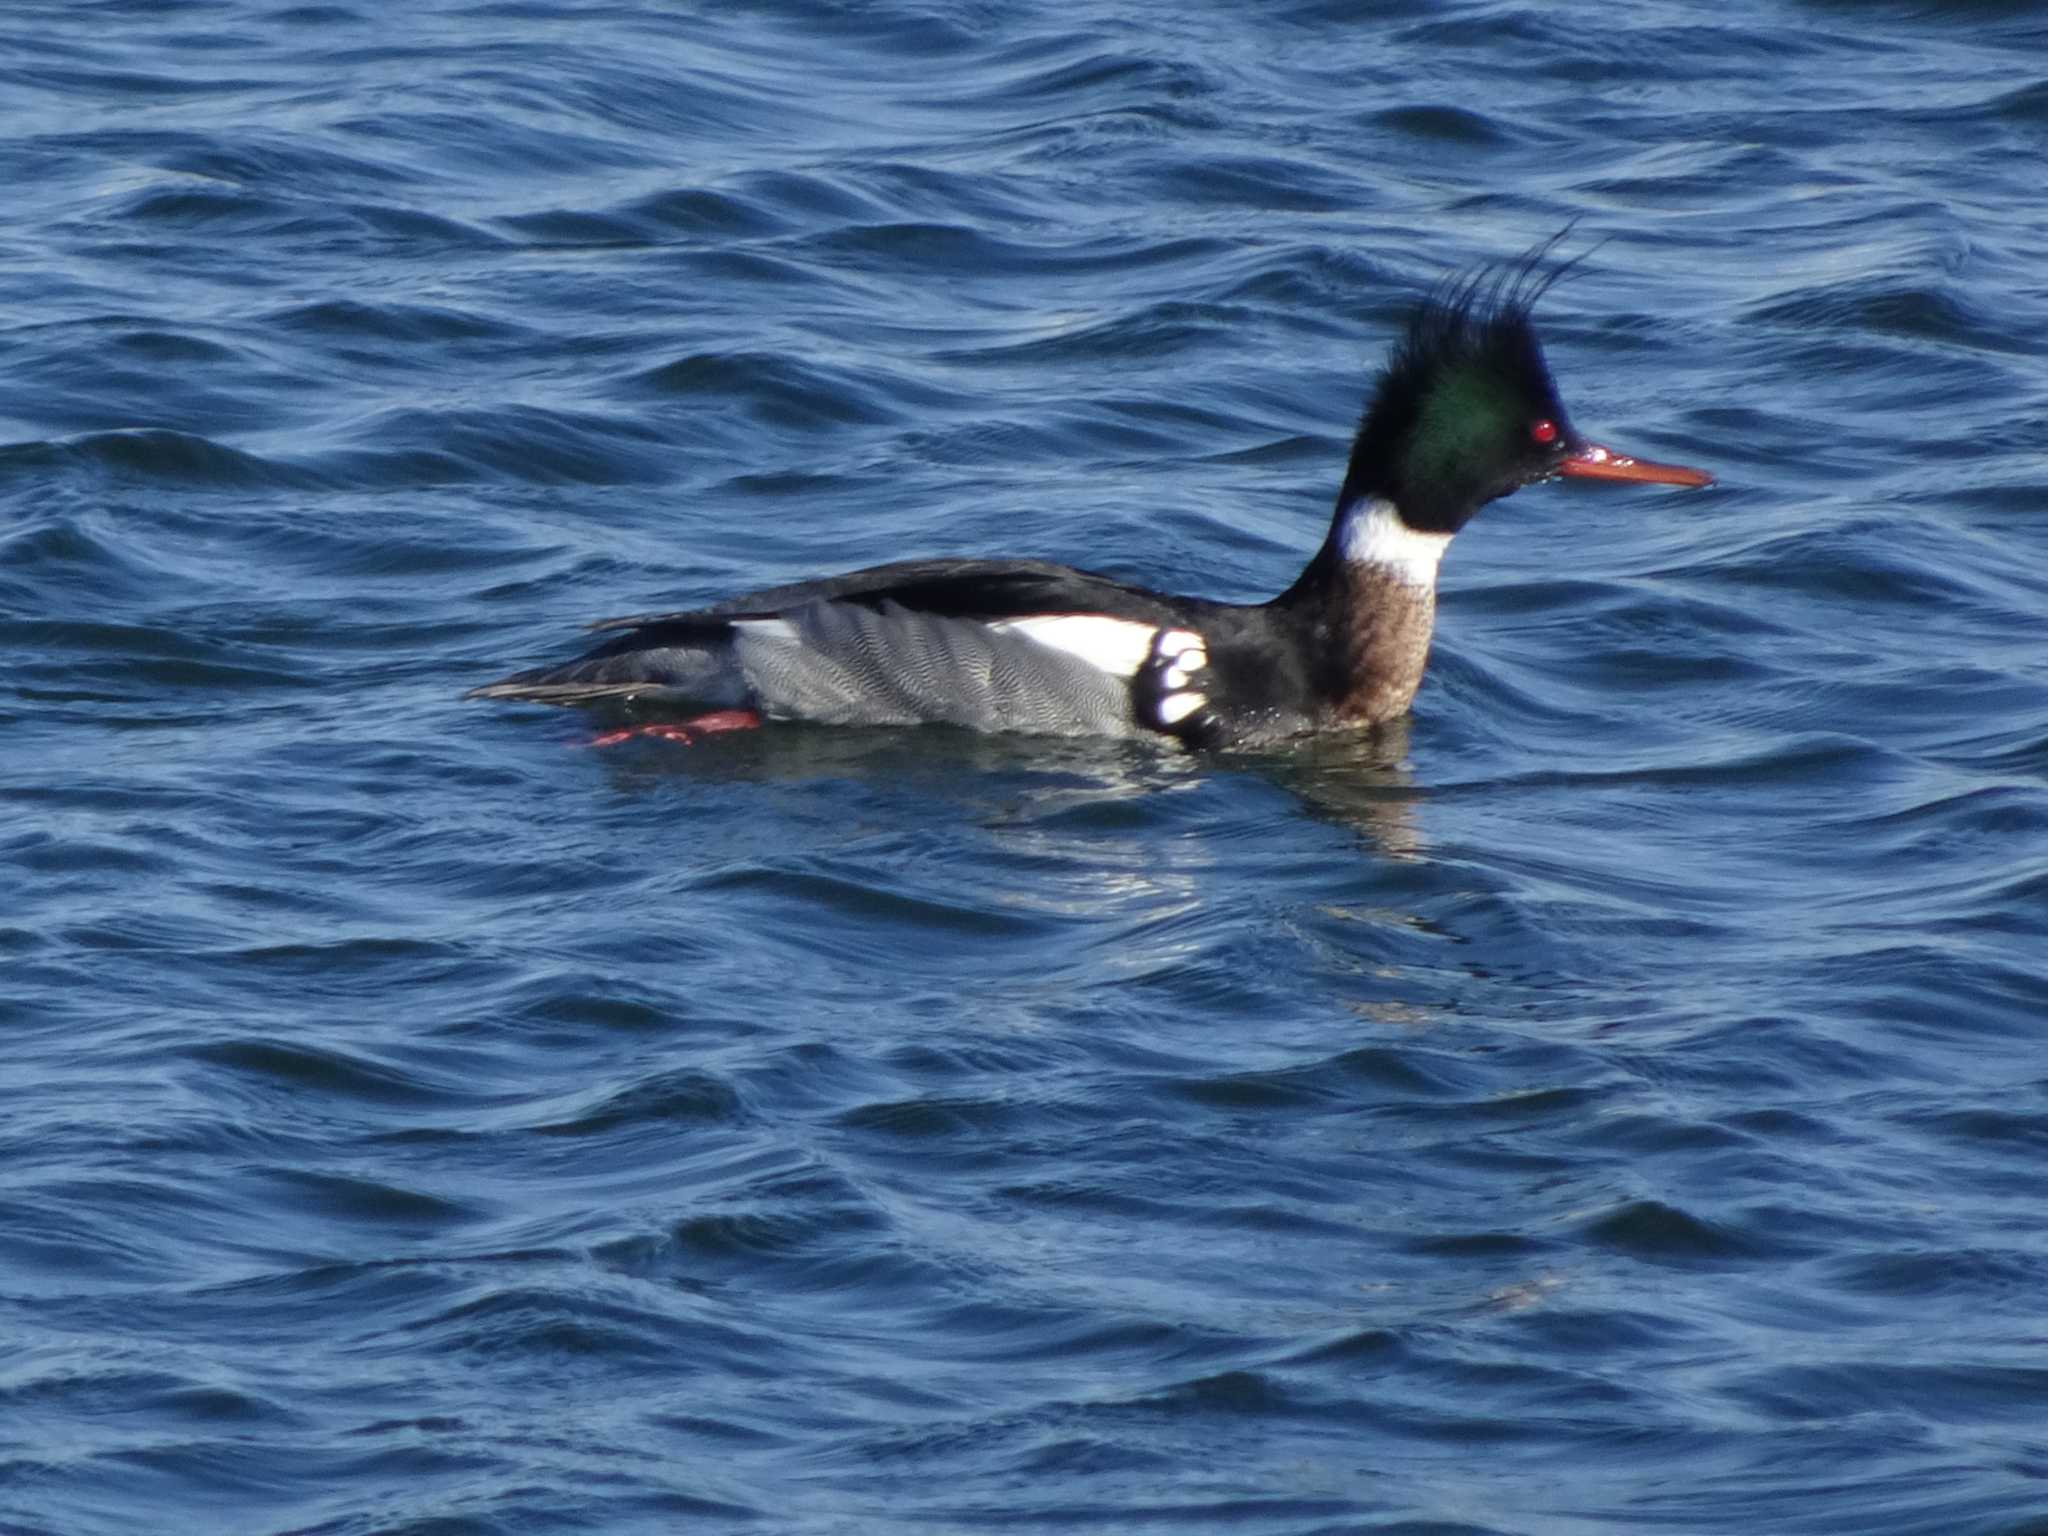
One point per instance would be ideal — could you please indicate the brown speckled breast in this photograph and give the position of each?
(1386, 646)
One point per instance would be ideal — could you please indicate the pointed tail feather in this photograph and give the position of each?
(559, 693)
(631, 668)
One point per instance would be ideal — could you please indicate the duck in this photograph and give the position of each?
(1463, 413)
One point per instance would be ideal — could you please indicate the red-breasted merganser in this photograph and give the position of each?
(1464, 413)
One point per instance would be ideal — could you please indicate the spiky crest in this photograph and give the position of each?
(1441, 432)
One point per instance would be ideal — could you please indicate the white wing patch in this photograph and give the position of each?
(1116, 646)
(1182, 654)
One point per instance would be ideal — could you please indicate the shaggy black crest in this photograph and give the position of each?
(1446, 427)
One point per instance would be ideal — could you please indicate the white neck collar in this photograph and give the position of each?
(1375, 535)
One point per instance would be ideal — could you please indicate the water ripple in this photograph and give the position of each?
(426, 1122)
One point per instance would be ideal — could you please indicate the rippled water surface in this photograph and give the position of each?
(1612, 1102)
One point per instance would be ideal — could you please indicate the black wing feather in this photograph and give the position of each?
(953, 589)
(687, 653)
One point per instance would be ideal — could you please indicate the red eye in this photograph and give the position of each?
(1544, 431)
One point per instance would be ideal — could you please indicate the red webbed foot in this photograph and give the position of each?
(685, 733)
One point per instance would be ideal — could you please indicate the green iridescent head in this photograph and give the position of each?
(1465, 411)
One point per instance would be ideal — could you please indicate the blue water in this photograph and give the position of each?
(1613, 1102)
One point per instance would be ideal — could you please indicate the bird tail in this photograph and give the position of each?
(534, 688)
(648, 664)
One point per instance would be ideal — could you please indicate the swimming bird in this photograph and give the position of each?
(1463, 413)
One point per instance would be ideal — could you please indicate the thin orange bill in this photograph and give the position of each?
(1593, 462)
